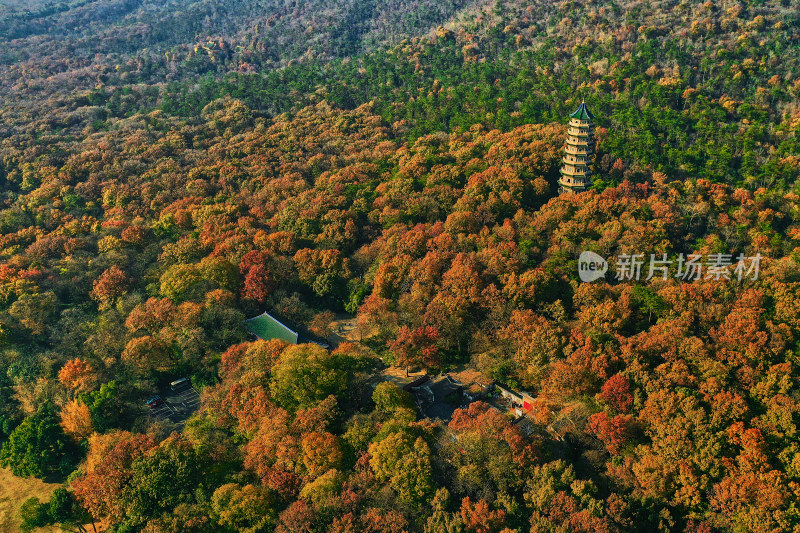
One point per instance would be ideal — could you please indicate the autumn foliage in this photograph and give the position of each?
(385, 172)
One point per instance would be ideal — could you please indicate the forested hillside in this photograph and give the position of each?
(170, 169)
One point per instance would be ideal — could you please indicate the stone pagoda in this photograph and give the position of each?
(578, 152)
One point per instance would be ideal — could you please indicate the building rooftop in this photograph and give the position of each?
(439, 397)
(582, 113)
(266, 327)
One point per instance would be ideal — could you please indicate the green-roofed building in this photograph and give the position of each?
(266, 327)
(576, 170)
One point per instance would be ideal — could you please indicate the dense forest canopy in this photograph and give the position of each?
(169, 169)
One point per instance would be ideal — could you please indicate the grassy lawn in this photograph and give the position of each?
(13, 493)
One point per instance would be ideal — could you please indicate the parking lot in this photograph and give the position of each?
(178, 405)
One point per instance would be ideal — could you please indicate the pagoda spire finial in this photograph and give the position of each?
(576, 169)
